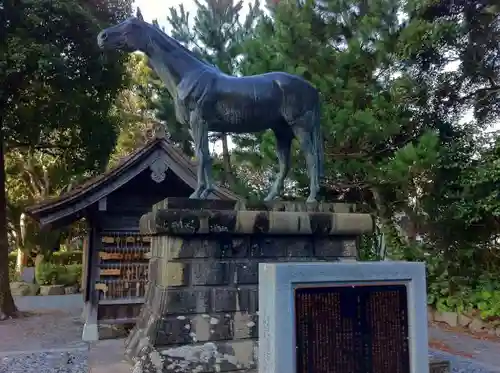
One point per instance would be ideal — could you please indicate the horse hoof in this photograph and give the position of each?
(311, 200)
(270, 197)
(206, 193)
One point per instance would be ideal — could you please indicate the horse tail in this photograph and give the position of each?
(317, 139)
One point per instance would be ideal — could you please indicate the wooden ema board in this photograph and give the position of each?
(125, 247)
(125, 239)
(352, 329)
(123, 265)
(129, 272)
(121, 256)
(121, 289)
(110, 272)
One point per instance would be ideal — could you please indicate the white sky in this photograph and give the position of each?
(158, 9)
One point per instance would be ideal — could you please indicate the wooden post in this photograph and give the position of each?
(90, 328)
(85, 266)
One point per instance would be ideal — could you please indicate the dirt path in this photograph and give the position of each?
(108, 356)
(42, 330)
(464, 350)
(48, 340)
(52, 323)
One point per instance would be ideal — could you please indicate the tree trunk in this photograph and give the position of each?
(226, 160)
(7, 307)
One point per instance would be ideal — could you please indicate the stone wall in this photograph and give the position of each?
(201, 307)
(470, 322)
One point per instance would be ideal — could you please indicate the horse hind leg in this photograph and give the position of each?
(303, 129)
(318, 145)
(200, 138)
(284, 139)
(209, 183)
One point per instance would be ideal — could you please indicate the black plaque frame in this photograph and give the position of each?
(350, 339)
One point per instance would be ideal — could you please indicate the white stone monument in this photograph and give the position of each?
(343, 317)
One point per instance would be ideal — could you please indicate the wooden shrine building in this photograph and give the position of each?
(115, 260)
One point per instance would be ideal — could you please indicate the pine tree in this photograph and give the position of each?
(393, 109)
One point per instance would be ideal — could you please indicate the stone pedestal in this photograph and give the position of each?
(200, 313)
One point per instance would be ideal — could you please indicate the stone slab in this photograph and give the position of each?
(52, 290)
(439, 366)
(19, 289)
(298, 206)
(276, 317)
(276, 205)
(178, 203)
(28, 274)
(179, 222)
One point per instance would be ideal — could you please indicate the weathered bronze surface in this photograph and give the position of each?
(206, 100)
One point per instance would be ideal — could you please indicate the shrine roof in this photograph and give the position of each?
(98, 187)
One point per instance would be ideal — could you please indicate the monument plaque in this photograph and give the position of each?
(343, 317)
(352, 328)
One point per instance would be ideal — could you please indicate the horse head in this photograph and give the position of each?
(129, 36)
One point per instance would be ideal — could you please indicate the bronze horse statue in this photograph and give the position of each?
(206, 100)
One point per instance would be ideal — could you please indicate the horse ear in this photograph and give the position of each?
(139, 14)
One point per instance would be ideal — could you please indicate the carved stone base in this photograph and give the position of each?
(200, 312)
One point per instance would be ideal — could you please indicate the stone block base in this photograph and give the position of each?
(228, 357)
(199, 358)
(439, 366)
(200, 312)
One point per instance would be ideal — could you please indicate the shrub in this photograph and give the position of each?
(47, 273)
(59, 268)
(66, 257)
(62, 258)
(71, 274)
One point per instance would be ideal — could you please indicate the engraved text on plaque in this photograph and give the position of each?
(359, 328)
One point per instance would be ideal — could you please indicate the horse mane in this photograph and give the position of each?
(166, 41)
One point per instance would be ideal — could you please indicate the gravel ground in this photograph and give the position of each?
(46, 329)
(49, 341)
(76, 362)
(464, 365)
(466, 351)
(46, 362)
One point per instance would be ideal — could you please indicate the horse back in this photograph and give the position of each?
(255, 103)
(244, 103)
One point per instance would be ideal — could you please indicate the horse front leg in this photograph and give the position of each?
(200, 138)
(283, 144)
